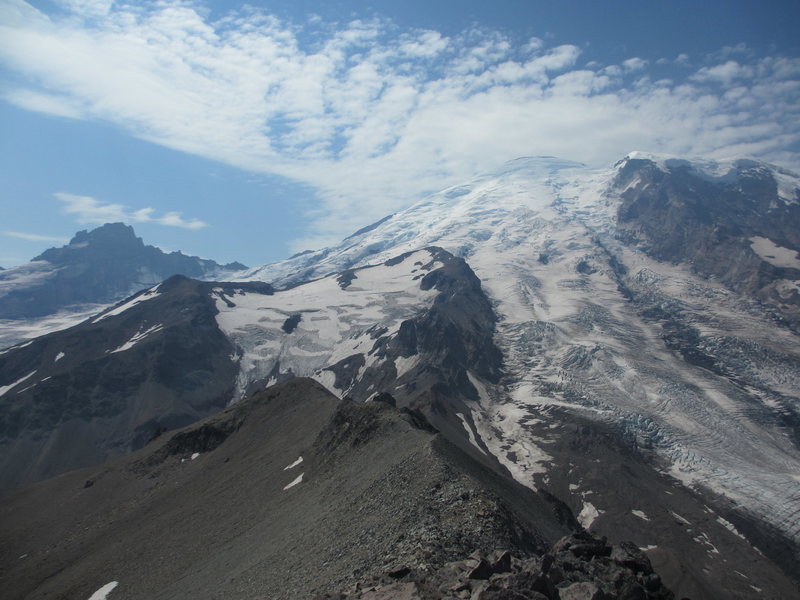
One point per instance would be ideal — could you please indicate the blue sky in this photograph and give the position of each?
(251, 132)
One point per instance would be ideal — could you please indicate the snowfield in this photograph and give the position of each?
(306, 328)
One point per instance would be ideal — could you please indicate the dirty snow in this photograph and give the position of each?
(470, 433)
(777, 256)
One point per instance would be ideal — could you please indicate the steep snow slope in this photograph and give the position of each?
(702, 379)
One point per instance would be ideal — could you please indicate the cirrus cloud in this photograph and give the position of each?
(36, 237)
(88, 210)
(372, 117)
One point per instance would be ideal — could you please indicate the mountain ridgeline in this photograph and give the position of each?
(99, 266)
(540, 352)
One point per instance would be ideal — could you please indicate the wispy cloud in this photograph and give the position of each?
(88, 210)
(372, 116)
(35, 237)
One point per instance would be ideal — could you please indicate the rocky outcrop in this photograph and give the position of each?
(577, 567)
(732, 226)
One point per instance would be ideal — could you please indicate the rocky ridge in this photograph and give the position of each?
(577, 567)
(288, 493)
(96, 268)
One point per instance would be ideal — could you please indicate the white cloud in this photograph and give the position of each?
(51, 104)
(634, 64)
(368, 115)
(88, 210)
(723, 73)
(35, 237)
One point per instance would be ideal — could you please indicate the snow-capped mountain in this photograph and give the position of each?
(659, 298)
(625, 340)
(63, 286)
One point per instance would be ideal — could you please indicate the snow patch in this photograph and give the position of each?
(5, 388)
(483, 392)
(328, 380)
(195, 455)
(404, 364)
(777, 256)
(104, 591)
(680, 518)
(144, 296)
(470, 433)
(294, 464)
(137, 338)
(647, 548)
(59, 356)
(640, 514)
(295, 482)
(730, 527)
(588, 515)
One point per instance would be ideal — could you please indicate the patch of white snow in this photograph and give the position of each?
(104, 591)
(148, 295)
(5, 388)
(139, 336)
(588, 515)
(294, 464)
(294, 483)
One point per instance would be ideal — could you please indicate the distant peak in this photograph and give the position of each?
(109, 231)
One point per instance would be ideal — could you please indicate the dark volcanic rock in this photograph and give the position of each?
(682, 215)
(193, 515)
(566, 572)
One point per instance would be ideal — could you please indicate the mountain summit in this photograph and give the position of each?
(97, 267)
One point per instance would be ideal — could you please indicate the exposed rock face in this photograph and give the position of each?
(226, 508)
(452, 337)
(96, 267)
(105, 387)
(577, 567)
(734, 226)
